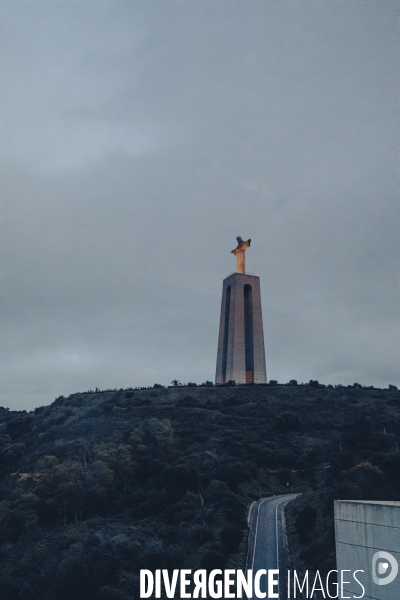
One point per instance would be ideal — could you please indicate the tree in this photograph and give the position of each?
(305, 521)
(119, 459)
(231, 536)
(313, 383)
(212, 559)
(112, 593)
(288, 421)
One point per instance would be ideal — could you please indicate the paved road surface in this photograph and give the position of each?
(265, 540)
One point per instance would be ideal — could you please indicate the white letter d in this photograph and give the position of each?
(146, 574)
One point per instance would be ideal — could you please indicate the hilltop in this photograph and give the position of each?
(100, 484)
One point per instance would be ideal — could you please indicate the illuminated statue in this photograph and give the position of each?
(239, 253)
(241, 353)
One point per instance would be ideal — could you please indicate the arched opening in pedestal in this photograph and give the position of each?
(226, 332)
(248, 333)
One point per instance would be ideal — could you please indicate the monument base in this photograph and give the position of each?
(241, 353)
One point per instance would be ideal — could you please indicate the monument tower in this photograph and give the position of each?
(241, 354)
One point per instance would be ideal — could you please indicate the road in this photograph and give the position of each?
(265, 540)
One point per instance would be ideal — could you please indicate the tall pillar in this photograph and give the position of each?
(241, 354)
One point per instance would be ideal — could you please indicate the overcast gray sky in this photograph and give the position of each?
(141, 137)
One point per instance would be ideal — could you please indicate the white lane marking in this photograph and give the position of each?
(255, 535)
(258, 513)
(276, 535)
(291, 496)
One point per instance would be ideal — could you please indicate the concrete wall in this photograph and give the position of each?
(361, 529)
(235, 341)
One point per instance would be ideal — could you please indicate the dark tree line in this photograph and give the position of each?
(97, 486)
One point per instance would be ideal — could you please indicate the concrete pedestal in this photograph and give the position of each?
(241, 354)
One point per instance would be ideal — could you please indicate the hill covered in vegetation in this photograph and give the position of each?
(100, 484)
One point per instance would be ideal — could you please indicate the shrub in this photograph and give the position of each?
(112, 593)
(212, 559)
(202, 534)
(231, 536)
(186, 401)
(305, 522)
(265, 458)
(288, 421)
(8, 589)
(286, 457)
(363, 482)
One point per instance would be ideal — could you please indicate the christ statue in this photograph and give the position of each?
(239, 253)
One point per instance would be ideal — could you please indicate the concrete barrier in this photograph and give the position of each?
(368, 538)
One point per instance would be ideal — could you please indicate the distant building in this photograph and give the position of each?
(241, 353)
